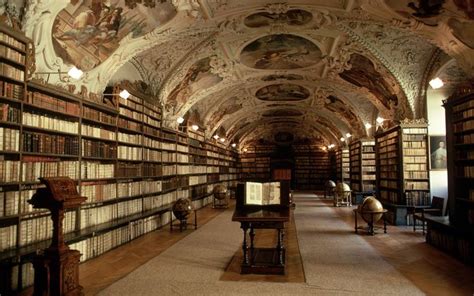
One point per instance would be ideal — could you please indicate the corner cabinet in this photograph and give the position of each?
(402, 172)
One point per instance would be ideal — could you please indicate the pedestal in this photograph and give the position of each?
(57, 273)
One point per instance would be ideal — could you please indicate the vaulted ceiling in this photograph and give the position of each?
(251, 70)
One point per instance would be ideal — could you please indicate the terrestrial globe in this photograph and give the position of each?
(182, 208)
(342, 188)
(220, 192)
(330, 185)
(371, 204)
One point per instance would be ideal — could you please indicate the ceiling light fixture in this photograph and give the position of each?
(380, 120)
(222, 140)
(216, 137)
(124, 94)
(245, 149)
(368, 125)
(195, 127)
(234, 145)
(436, 83)
(342, 139)
(348, 135)
(180, 120)
(75, 73)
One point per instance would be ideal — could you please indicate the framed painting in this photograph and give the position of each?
(438, 152)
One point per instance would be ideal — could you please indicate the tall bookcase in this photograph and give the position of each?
(312, 167)
(457, 235)
(255, 163)
(342, 165)
(130, 168)
(362, 162)
(402, 168)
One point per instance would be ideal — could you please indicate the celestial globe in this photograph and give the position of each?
(182, 208)
(342, 188)
(371, 204)
(220, 192)
(330, 185)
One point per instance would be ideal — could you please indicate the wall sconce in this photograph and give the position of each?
(380, 120)
(195, 127)
(216, 137)
(234, 145)
(74, 73)
(348, 135)
(343, 139)
(180, 120)
(245, 150)
(368, 125)
(222, 140)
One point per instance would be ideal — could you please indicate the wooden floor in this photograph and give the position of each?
(432, 271)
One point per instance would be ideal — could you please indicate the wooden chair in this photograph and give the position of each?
(438, 208)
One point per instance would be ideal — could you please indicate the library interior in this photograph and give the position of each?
(140, 139)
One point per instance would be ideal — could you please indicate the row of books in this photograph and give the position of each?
(51, 123)
(11, 72)
(151, 155)
(464, 154)
(388, 168)
(9, 139)
(97, 132)
(129, 138)
(464, 106)
(389, 174)
(151, 143)
(415, 175)
(125, 189)
(41, 228)
(33, 168)
(415, 159)
(50, 144)
(152, 170)
(9, 113)
(414, 144)
(131, 114)
(420, 139)
(465, 171)
(168, 146)
(96, 170)
(368, 149)
(414, 151)
(415, 130)
(9, 171)
(463, 126)
(368, 162)
(464, 139)
(102, 214)
(393, 135)
(12, 90)
(45, 101)
(8, 237)
(9, 203)
(417, 198)
(151, 121)
(182, 148)
(99, 149)
(417, 185)
(389, 196)
(388, 155)
(389, 184)
(12, 41)
(132, 102)
(415, 167)
(97, 115)
(99, 244)
(129, 125)
(195, 180)
(388, 148)
(129, 153)
(128, 170)
(99, 192)
(151, 109)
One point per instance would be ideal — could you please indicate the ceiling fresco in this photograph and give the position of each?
(292, 17)
(282, 92)
(312, 68)
(280, 51)
(85, 33)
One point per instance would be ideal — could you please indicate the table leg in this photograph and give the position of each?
(195, 220)
(280, 246)
(371, 224)
(355, 220)
(384, 223)
(244, 247)
(252, 236)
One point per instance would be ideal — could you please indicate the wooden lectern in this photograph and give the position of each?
(57, 268)
(260, 260)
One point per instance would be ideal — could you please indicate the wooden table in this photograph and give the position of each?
(370, 223)
(262, 260)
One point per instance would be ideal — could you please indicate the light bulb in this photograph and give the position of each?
(180, 120)
(234, 145)
(124, 94)
(75, 73)
(342, 139)
(368, 125)
(379, 120)
(216, 137)
(195, 127)
(348, 135)
(436, 83)
(222, 140)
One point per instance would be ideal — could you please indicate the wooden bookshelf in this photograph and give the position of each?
(362, 161)
(342, 165)
(402, 168)
(456, 236)
(312, 167)
(129, 167)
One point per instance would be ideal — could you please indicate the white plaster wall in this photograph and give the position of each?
(437, 126)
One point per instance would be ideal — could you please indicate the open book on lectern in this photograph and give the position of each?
(262, 194)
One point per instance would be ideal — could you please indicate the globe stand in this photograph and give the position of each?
(370, 223)
(183, 223)
(220, 203)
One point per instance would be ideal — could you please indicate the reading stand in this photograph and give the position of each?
(262, 260)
